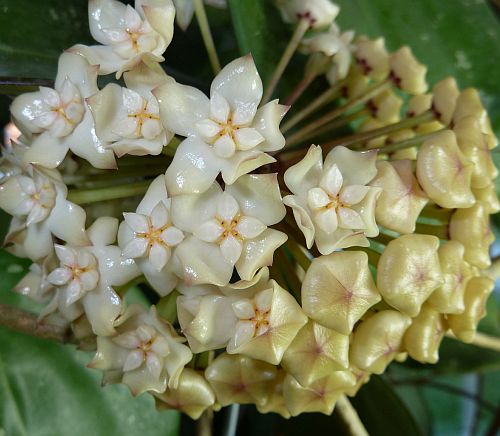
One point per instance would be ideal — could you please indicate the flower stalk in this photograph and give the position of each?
(201, 17)
(87, 196)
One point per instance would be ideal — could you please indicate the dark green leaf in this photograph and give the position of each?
(45, 390)
(33, 34)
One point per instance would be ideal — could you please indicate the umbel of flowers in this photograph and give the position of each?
(380, 252)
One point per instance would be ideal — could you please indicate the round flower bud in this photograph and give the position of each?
(423, 337)
(401, 200)
(372, 57)
(315, 352)
(465, 324)
(408, 272)
(192, 396)
(386, 107)
(361, 376)
(449, 297)
(356, 84)
(407, 73)
(444, 172)
(320, 396)
(419, 104)
(473, 144)
(488, 196)
(319, 13)
(444, 99)
(240, 379)
(378, 340)
(276, 401)
(471, 227)
(338, 289)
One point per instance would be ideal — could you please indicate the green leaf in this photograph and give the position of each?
(382, 411)
(45, 390)
(33, 34)
(459, 38)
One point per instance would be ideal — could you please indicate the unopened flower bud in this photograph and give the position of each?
(488, 196)
(338, 289)
(418, 105)
(386, 107)
(444, 172)
(401, 199)
(372, 57)
(423, 337)
(275, 400)
(319, 396)
(192, 396)
(378, 340)
(465, 324)
(408, 272)
(444, 99)
(319, 13)
(471, 227)
(361, 376)
(407, 73)
(315, 352)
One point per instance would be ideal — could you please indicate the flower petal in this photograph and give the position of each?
(136, 248)
(267, 121)
(357, 168)
(231, 248)
(219, 107)
(327, 220)
(250, 227)
(159, 256)
(306, 174)
(248, 138)
(350, 219)
(332, 180)
(317, 198)
(209, 231)
(137, 222)
(227, 207)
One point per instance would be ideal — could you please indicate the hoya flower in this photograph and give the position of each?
(320, 396)
(276, 401)
(336, 48)
(240, 379)
(408, 272)
(146, 354)
(386, 107)
(401, 199)
(150, 238)
(229, 229)
(318, 13)
(444, 99)
(444, 172)
(406, 72)
(192, 396)
(338, 289)
(378, 340)
(127, 120)
(86, 276)
(372, 57)
(184, 10)
(57, 120)
(38, 203)
(128, 35)
(488, 196)
(227, 133)
(331, 202)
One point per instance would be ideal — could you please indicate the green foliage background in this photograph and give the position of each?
(45, 388)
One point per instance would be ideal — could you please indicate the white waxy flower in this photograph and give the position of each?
(128, 35)
(77, 273)
(331, 203)
(57, 120)
(226, 133)
(319, 13)
(146, 355)
(150, 237)
(154, 236)
(230, 229)
(41, 211)
(128, 119)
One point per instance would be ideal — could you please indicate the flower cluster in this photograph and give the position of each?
(155, 185)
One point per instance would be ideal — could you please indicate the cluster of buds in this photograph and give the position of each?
(380, 253)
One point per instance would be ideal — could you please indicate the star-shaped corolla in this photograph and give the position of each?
(37, 200)
(229, 229)
(128, 35)
(146, 354)
(57, 120)
(338, 289)
(87, 274)
(319, 13)
(331, 202)
(127, 120)
(150, 238)
(227, 133)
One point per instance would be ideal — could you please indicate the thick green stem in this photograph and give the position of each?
(386, 130)
(337, 112)
(114, 175)
(201, 17)
(316, 104)
(297, 35)
(86, 196)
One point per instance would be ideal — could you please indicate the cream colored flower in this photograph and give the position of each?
(408, 272)
(226, 133)
(150, 238)
(444, 99)
(406, 72)
(146, 354)
(229, 229)
(128, 35)
(331, 202)
(338, 289)
(319, 13)
(58, 120)
(372, 57)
